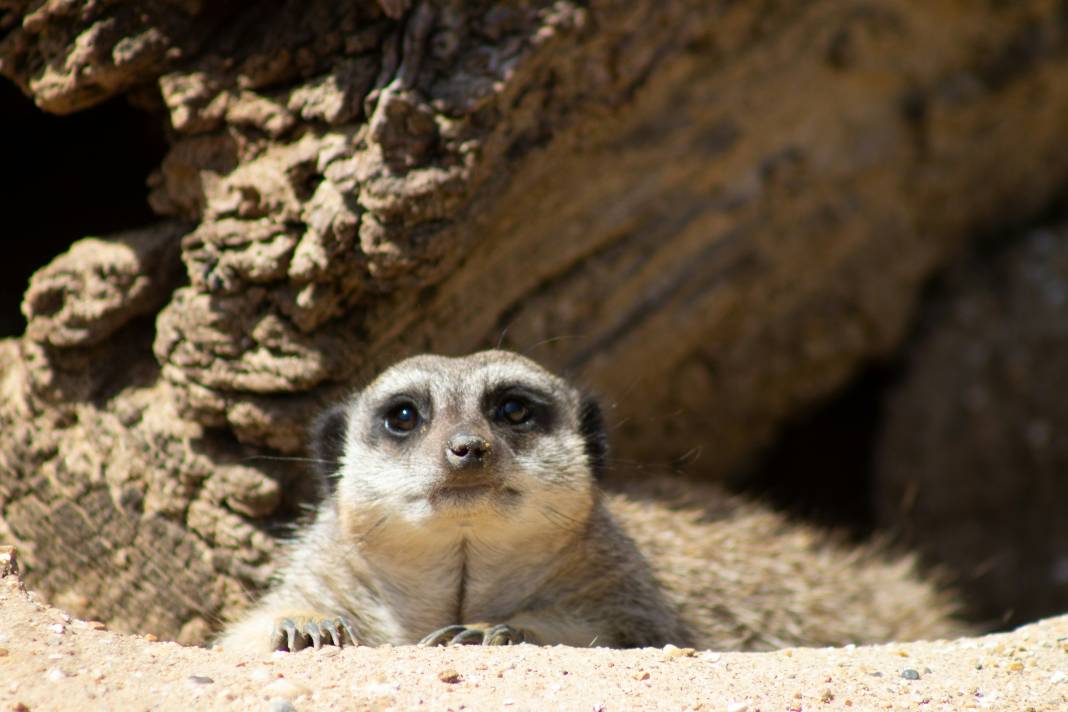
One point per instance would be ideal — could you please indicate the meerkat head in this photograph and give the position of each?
(436, 440)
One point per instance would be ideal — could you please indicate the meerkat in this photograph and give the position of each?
(464, 509)
(464, 506)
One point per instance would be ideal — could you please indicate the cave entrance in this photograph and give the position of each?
(67, 177)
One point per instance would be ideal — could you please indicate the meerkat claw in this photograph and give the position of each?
(312, 630)
(504, 634)
(338, 629)
(476, 634)
(443, 636)
(285, 636)
(295, 633)
(469, 636)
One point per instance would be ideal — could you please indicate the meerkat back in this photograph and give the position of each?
(749, 578)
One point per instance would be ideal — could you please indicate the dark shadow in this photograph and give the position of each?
(820, 467)
(67, 177)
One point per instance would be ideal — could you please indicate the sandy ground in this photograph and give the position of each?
(49, 661)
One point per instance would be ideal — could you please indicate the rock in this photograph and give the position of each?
(86, 294)
(9, 562)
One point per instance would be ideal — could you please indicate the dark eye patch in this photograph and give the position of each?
(516, 411)
(398, 416)
(519, 406)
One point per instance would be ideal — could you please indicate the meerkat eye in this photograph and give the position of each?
(515, 411)
(402, 418)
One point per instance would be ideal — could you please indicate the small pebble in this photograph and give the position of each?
(280, 704)
(737, 707)
(200, 679)
(673, 651)
(151, 638)
(1058, 677)
(910, 674)
(450, 676)
(57, 628)
(3, 652)
(20, 707)
(55, 675)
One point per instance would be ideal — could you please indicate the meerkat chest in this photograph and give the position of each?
(419, 588)
(494, 595)
(464, 581)
(501, 578)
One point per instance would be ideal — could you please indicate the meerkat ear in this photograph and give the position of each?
(591, 424)
(327, 444)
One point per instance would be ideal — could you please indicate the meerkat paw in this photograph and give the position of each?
(477, 634)
(296, 631)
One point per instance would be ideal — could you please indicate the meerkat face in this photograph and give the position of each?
(443, 440)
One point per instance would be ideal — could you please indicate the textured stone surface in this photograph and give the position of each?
(972, 465)
(86, 294)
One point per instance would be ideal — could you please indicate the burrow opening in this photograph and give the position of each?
(68, 177)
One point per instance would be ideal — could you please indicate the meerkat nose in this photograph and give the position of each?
(464, 450)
